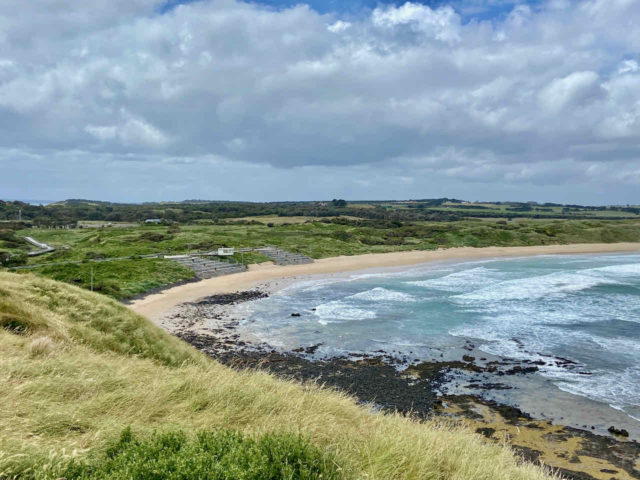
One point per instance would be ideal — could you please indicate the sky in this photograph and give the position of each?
(149, 100)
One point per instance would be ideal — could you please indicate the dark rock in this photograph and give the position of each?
(510, 414)
(533, 425)
(312, 349)
(232, 298)
(618, 431)
(528, 454)
(487, 432)
(491, 386)
(571, 475)
(518, 370)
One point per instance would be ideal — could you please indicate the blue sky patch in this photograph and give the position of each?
(468, 9)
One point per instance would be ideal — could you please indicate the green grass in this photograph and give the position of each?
(319, 239)
(83, 367)
(120, 279)
(217, 455)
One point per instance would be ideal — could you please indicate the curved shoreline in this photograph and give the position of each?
(153, 306)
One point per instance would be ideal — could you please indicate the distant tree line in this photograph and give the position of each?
(71, 211)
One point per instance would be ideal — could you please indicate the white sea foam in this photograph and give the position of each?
(614, 388)
(624, 270)
(308, 285)
(407, 272)
(401, 342)
(553, 284)
(540, 330)
(339, 311)
(464, 280)
(380, 294)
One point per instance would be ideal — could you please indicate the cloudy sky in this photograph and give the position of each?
(144, 100)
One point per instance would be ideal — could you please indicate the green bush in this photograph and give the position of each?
(152, 237)
(343, 235)
(14, 260)
(220, 454)
(4, 257)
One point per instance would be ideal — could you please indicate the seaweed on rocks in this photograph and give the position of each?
(370, 380)
(232, 298)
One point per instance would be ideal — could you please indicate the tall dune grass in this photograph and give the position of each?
(102, 368)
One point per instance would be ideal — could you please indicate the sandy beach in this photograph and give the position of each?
(154, 306)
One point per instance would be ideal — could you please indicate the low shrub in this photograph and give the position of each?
(13, 324)
(14, 260)
(343, 235)
(41, 346)
(152, 237)
(219, 454)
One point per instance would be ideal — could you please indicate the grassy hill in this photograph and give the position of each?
(76, 369)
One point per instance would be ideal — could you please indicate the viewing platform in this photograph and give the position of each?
(283, 257)
(205, 267)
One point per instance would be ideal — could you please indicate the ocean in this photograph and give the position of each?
(576, 315)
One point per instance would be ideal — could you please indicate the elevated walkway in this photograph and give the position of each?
(44, 248)
(205, 267)
(283, 257)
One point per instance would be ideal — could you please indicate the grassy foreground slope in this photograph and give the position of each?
(76, 368)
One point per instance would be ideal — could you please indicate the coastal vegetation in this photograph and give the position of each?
(90, 389)
(81, 251)
(214, 455)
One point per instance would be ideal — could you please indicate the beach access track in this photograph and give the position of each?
(43, 247)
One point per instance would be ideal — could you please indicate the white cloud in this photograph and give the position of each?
(132, 132)
(102, 132)
(339, 26)
(511, 100)
(575, 88)
(628, 66)
(442, 24)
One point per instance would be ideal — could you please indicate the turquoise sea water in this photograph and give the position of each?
(584, 308)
